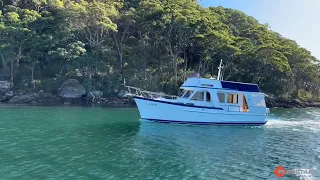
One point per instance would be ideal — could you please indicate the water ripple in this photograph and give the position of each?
(93, 143)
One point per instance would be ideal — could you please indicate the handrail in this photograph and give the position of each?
(134, 91)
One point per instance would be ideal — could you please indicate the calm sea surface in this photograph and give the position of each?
(99, 143)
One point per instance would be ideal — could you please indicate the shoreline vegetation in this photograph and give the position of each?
(78, 52)
(69, 94)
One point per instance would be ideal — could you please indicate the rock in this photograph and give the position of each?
(34, 102)
(94, 96)
(297, 101)
(270, 101)
(288, 106)
(5, 86)
(71, 88)
(47, 95)
(97, 94)
(6, 96)
(23, 98)
(9, 94)
(122, 94)
(2, 98)
(67, 103)
(18, 93)
(49, 99)
(41, 92)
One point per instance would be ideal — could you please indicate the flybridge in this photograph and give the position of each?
(197, 82)
(216, 84)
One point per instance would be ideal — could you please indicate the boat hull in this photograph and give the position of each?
(170, 112)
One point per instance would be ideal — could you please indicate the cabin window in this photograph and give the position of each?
(198, 96)
(208, 97)
(187, 94)
(245, 104)
(221, 97)
(232, 98)
(258, 100)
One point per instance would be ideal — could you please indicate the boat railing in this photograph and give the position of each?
(134, 91)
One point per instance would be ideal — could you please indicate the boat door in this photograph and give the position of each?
(208, 99)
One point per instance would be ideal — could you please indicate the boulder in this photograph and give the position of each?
(19, 93)
(9, 94)
(67, 103)
(5, 86)
(97, 94)
(71, 88)
(34, 102)
(297, 101)
(6, 96)
(270, 101)
(2, 98)
(122, 94)
(93, 96)
(23, 98)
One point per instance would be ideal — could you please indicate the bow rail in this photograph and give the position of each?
(134, 91)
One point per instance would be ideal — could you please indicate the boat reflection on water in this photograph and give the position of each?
(184, 135)
(197, 151)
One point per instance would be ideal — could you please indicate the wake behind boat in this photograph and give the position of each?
(204, 101)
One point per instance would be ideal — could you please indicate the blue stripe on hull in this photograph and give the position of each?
(208, 123)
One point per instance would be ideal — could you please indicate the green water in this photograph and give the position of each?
(98, 143)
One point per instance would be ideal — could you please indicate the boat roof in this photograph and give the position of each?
(217, 84)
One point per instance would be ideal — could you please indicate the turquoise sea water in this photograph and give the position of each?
(99, 143)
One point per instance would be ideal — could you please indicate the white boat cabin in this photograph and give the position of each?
(230, 96)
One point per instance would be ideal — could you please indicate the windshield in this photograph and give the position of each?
(187, 94)
(182, 92)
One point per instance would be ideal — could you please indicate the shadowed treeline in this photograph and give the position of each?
(154, 44)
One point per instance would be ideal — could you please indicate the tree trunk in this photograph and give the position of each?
(32, 76)
(145, 71)
(4, 64)
(297, 90)
(185, 64)
(176, 69)
(90, 79)
(199, 68)
(11, 70)
(102, 79)
(121, 62)
(162, 86)
(119, 50)
(19, 56)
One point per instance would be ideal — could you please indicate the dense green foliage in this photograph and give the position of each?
(154, 44)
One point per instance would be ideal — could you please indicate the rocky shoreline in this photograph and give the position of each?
(72, 93)
(273, 102)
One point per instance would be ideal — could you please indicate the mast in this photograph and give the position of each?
(220, 72)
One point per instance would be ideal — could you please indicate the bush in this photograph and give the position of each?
(304, 95)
